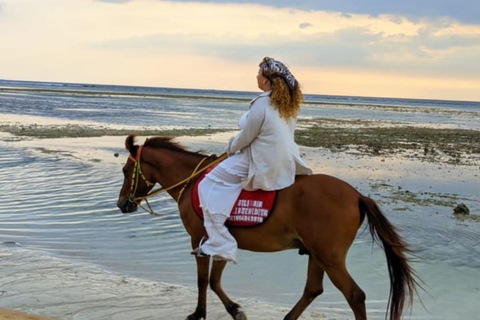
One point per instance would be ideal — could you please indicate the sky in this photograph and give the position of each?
(406, 49)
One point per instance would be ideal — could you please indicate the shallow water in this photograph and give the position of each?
(217, 109)
(58, 209)
(65, 207)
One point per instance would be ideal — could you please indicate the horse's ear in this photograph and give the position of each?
(130, 145)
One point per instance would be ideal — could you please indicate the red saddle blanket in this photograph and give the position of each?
(250, 209)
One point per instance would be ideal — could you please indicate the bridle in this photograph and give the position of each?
(137, 172)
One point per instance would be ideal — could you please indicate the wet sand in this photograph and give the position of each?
(14, 315)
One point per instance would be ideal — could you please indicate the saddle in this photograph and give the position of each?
(250, 209)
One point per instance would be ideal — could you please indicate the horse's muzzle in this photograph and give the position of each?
(126, 206)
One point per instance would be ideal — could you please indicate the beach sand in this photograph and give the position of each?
(15, 315)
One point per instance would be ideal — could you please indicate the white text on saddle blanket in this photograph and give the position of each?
(249, 210)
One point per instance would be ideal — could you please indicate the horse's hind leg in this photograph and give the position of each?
(340, 277)
(233, 308)
(313, 289)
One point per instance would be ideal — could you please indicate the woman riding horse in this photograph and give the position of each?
(317, 214)
(263, 155)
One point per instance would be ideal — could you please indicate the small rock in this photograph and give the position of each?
(461, 209)
(115, 154)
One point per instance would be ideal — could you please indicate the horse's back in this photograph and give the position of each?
(323, 205)
(326, 188)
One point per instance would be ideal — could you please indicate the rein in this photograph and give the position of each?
(137, 171)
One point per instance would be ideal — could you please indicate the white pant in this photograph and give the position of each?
(218, 192)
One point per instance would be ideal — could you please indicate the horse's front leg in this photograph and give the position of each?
(233, 308)
(203, 264)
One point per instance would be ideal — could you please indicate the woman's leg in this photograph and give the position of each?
(218, 192)
(220, 243)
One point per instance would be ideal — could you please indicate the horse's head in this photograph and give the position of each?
(136, 183)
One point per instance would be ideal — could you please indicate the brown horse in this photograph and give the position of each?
(319, 215)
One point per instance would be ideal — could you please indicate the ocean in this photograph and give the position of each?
(59, 197)
(189, 108)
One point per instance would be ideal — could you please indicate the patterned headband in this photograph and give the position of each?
(270, 66)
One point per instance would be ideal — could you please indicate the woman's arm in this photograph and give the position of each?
(252, 128)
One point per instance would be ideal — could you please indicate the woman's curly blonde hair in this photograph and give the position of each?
(285, 100)
(284, 97)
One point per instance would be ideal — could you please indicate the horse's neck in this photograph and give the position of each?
(171, 167)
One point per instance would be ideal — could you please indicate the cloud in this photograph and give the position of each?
(432, 38)
(461, 10)
(305, 25)
(114, 1)
(434, 49)
(316, 39)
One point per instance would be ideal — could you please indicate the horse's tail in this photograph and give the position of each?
(403, 279)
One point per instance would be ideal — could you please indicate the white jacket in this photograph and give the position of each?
(268, 139)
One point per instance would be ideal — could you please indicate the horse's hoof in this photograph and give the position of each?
(195, 317)
(240, 316)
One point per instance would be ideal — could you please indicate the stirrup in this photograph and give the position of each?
(198, 250)
(199, 253)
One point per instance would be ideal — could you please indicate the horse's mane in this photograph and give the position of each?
(166, 143)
